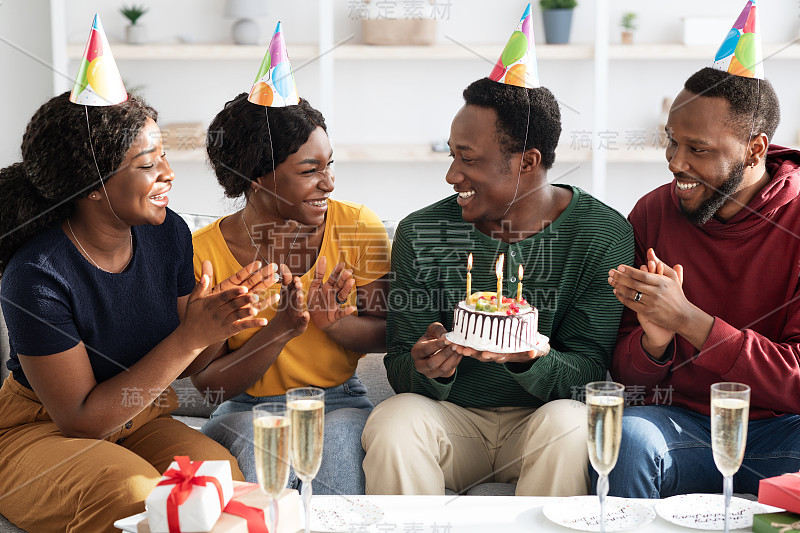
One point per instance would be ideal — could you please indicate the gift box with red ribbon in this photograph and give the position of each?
(190, 496)
(781, 491)
(248, 512)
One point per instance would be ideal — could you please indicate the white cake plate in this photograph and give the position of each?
(541, 341)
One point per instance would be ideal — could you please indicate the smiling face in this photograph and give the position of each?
(301, 184)
(138, 190)
(480, 173)
(707, 158)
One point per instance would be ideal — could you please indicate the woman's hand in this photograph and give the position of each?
(291, 319)
(213, 317)
(256, 279)
(326, 299)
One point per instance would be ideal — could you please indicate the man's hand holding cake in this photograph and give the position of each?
(434, 356)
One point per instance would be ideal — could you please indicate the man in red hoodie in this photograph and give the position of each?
(728, 309)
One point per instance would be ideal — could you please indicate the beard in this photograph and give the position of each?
(709, 207)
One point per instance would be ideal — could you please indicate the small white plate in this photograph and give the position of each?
(129, 524)
(330, 514)
(541, 341)
(583, 513)
(707, 511)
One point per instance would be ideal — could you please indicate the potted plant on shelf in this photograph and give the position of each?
(628, 25)
(557, 17)
(134, 33)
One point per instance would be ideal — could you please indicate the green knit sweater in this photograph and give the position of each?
(565, 276)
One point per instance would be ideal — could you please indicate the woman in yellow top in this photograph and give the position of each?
(281, 162)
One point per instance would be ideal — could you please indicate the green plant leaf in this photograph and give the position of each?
(557, 4)
(133, 12)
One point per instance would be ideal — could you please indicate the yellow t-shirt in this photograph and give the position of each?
(353, 234)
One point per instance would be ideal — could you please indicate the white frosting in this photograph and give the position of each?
(495, 332)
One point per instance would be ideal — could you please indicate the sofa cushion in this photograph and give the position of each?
(372, 373)
(192, 402)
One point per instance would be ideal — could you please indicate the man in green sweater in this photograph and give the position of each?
(463, 417)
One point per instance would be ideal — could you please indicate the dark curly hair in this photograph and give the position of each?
(512, 105)
(239, 146)
(746, 96)
(57, 165)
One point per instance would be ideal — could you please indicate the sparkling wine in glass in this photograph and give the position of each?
(605, 401)
(271, 432)
(307, 411)
(730, 408)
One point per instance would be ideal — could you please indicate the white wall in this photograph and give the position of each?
(400, 100)
(24, 69)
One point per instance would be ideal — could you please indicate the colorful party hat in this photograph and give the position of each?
(740, 53)
(274, 85)
(98, 82)
(517, 64)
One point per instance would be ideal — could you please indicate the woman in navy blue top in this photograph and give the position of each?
(103, 314)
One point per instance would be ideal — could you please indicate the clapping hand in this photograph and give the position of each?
(291, 318)
(215, 316)
(655, 293)
(255, 279)
(326, 300)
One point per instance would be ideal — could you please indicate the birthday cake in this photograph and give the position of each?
(481, 324)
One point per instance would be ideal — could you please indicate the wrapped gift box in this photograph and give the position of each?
(781, 491)
(776, 523)
(198, 509)
(251, 495)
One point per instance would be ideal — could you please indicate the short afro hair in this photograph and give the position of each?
(512, 104)
(746, 96)
(244, 139)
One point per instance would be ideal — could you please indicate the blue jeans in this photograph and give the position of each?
(666, 450)
(346, 410)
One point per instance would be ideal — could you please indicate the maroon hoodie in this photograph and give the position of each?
(745, 273)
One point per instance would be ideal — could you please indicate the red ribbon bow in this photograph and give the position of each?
(184, 479)
(256, 522)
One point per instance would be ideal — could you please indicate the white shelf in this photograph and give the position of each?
(193, 51)
(357, 52)
(659, 52)
(422, 153)
(388, 153)
(454, 51)
(347, 153)
(647, 155)
(347, 51)
(195, 155)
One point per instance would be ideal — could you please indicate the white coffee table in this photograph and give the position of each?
(479, 514)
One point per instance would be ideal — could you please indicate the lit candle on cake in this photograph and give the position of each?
(499, 271)
(519, 286)
(469, 277)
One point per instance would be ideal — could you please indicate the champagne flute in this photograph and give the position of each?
(605, 401)
(271, 431)
(307, 411)
(730, 407)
